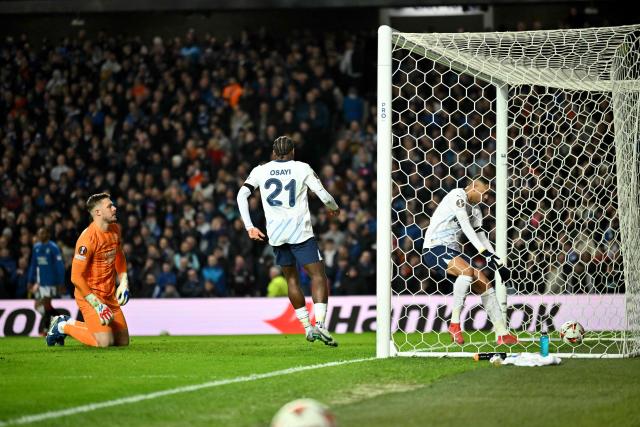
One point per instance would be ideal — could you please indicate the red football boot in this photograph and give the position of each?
(456, 333)
(507, 340)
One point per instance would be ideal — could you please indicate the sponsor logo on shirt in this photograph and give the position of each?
(110, 256)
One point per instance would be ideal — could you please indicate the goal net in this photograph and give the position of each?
(552, 120)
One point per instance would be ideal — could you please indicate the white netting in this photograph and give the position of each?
(573, 204)
(578, 59)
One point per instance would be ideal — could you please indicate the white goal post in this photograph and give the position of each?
(552, 119)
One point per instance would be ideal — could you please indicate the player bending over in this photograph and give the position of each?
(458, 213)
(45, 276)
(283, 184)
(98, 257)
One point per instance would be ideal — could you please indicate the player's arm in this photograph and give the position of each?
(465, 225)
(476, 223)
(315, 185)
(489, 252)
(484, 239)
(79, 266)
(122, 291)
(243, 206)
(493, 260)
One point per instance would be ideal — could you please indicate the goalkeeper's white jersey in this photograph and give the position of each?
(283, 190)
(444, 228)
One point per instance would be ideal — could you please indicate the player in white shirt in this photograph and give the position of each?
(456, 214)
(283, 184)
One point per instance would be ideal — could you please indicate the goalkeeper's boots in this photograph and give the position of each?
(53, 335)
(456, 333)
(320, 333)
(507, 340)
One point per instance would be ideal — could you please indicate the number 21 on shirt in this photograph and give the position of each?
(290, 187)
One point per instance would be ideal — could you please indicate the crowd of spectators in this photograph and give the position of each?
(171, 128)
(562, 217)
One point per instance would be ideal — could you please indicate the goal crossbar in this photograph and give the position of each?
(470, 53)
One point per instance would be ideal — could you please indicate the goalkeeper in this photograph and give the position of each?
(98, 257)
(458, 213)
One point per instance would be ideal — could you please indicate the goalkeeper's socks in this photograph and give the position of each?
(303, 316)
(320, 310)
(460, 290)
(80, 332)
(491, 306)
(64, 323)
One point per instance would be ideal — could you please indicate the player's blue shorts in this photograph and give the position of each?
(305, 253)
(438, 258)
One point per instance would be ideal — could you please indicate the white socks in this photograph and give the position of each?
(320, 310)
(460, 290)
(61, 325)
(489, 302)
(491, 306)
(303, 316)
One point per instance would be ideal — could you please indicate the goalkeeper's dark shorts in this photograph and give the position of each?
(438, 257)
(304, 253)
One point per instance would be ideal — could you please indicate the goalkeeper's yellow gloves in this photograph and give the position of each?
(104, 312)
(122, 292)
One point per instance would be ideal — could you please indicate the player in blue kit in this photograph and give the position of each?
(45, 276)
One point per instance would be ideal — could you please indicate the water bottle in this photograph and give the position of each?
(544, 344)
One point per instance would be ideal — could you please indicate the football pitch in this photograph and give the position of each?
(243, 380)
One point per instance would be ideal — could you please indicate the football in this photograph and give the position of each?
(304, 413)
(572, 332)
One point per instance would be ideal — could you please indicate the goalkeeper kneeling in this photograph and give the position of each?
(97, 259)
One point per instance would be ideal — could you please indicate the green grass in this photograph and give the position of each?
(392, 392)
(478, 341)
